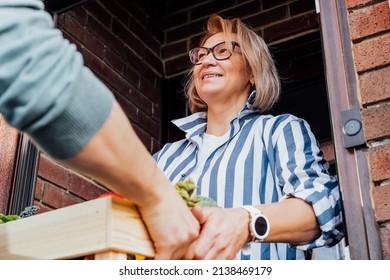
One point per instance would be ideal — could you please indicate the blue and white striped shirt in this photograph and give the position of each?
(264, 160)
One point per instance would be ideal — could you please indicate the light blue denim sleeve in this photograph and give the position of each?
(45, 89)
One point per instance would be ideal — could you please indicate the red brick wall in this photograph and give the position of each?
(122, 46)
(58, 187)
(370, 33)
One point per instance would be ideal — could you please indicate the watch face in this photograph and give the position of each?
(261, 226)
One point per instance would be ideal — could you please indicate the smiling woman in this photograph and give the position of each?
(267, 171)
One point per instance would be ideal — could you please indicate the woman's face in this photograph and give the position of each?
(222, 81)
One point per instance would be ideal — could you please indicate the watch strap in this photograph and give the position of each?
(254, 214)
(252, 211)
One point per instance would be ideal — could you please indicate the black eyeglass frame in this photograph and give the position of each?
(211, 50)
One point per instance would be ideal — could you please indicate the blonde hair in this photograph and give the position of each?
(256, 55)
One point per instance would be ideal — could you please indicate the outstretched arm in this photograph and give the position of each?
(118, 159)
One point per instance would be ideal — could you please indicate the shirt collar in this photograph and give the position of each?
(195, 124)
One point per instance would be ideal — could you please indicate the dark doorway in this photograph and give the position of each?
(300, 65)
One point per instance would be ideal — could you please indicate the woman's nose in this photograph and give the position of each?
(209, 59)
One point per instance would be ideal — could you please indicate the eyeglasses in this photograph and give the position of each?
(220, 52)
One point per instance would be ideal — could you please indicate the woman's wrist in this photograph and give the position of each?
(246, 231)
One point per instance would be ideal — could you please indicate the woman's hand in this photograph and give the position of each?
(171, 226)
(223, 233)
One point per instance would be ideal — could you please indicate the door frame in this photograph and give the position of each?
(363, 239)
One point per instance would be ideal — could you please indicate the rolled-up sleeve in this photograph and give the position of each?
(303, 173)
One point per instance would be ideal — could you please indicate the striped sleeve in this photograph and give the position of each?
(303, 174)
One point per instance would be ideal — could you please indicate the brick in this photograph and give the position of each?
(42, 208)
(381, 198)
(369, 20)
(117, 12)
(171, 50)
(100, 68)
(132, 94)
(156, 112)
(185, 31)
(129, 39)
(84, 37)
(130, 75)
(154, 61)
(240, 10)
(385, 241)
(134, 61)
(209, 8)
(73, 27)
(53, 172)
(144, 35)
(93, 44)
(268, 4)
(39, 187)
(79, 13)
(267, 17)
(356, 3)
(157, 31)
(194, 41)
(291, 27)
(376, 122)
(301, 6)
(379, 162)
(149, 124)
(85, 188)
(58, 198)
(99, 12)
(374, 86)
(154, 13)
(363, 52)
(130, 110)
(114, 60)
(148, 87)
(134, 8)
(143, 136)
(175, 19)
(105, 35)
(176, 65)
(177, 5)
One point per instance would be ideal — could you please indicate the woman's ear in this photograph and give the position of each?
(252, 80)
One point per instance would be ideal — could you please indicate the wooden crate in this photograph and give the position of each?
(106, 228)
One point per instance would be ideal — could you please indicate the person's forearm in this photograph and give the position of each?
(292, 221)
(117, 158)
